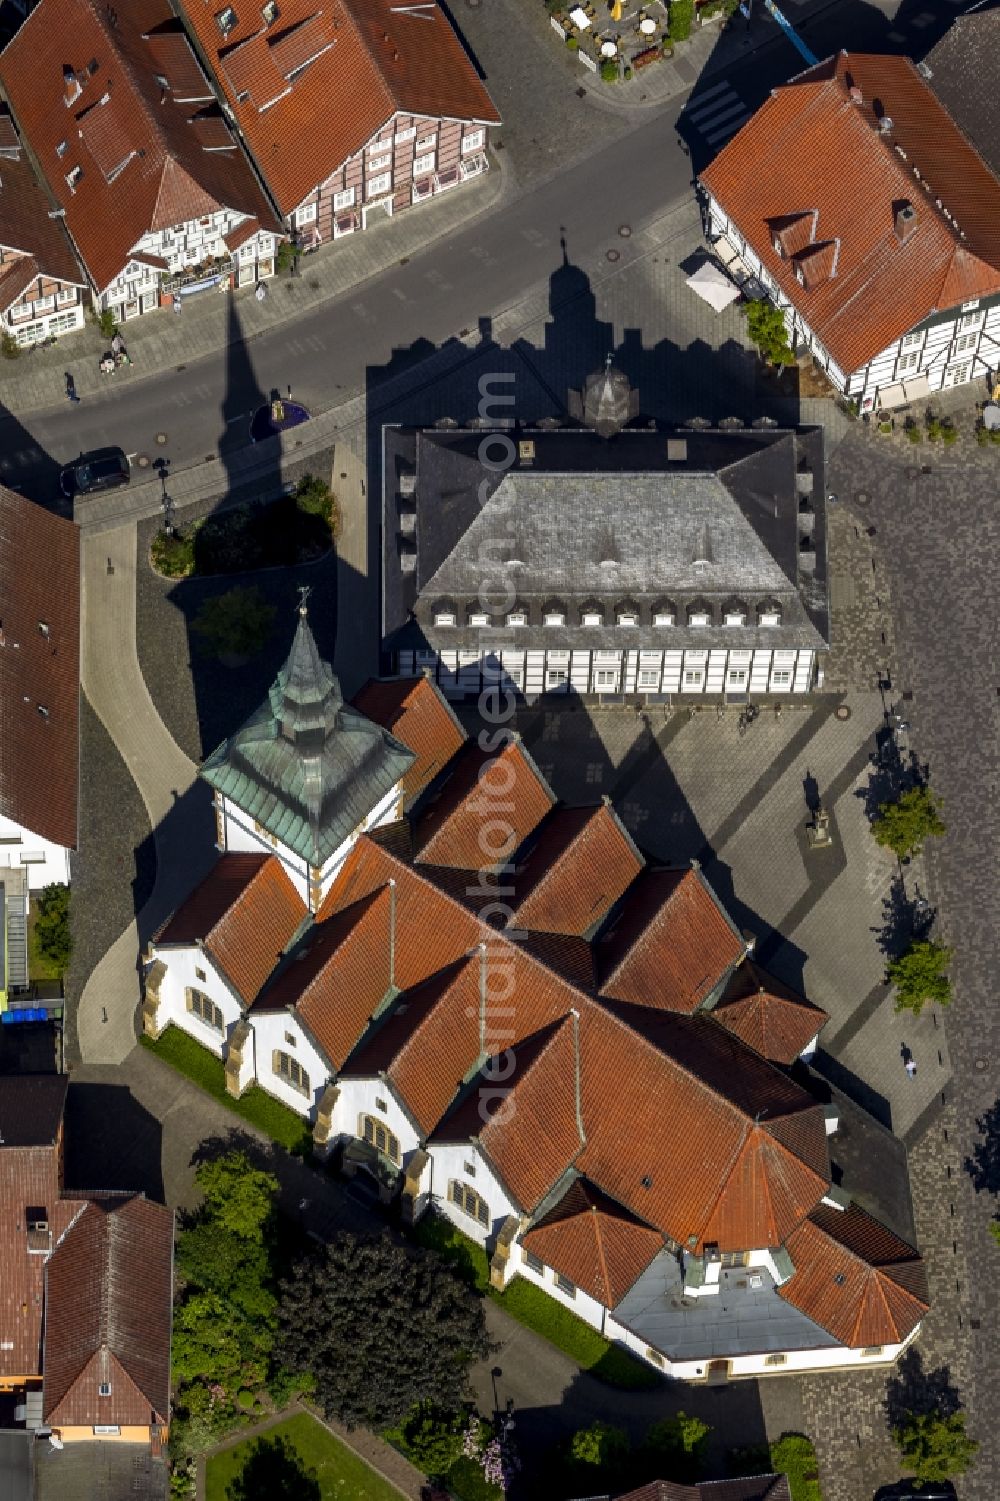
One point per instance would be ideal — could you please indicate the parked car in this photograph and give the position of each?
(101, 469)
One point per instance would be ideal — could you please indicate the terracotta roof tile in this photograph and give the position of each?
(813, 145)
(484, 809)
(417, 713)
(767, 1014)
(24, 214)
(39, 669)
(671, 945)
(581, 862)
(855, 1278)
(594, 1242)
(385, 59)
(108, 1301)
(338, 975)
(119, 117)
(244, 914)
(527, 1126)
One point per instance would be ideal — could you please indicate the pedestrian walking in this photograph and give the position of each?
(261, 292)
(911, 1068)
(177, 303)
(71, 387)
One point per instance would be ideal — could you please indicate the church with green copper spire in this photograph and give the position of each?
(306, 773)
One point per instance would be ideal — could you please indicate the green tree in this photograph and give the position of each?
(381, 1328)
(793, 1455)
(433, 1438)
(905, 824)
(920, 975)
(681, 20)
(995, 1230)
(935, 1446)
(52, 932)
(237, 1196)
(236, 623)
(314, 496)
(274, 1472)
(678, 1445)
(766, 327)
(601, 1445)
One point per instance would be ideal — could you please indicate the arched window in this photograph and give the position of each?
(769, 613)
(468, 1201)
(290, 1069)
(206, 1010)
(377, 1134)
(518, 617)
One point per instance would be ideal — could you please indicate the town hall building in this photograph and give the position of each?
(481, 998)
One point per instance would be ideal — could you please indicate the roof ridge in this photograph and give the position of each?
(599, 1241)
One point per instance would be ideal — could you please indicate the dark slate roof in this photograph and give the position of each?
(31, 1109)
(305, 765)
(609, 521)
(965, 75)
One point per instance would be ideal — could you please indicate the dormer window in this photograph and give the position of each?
(227, 20)
(479, 618)
(779, 248)
(270, 12)
(554, 617)
(444, 617)
(517, 617)
(734, 617)
(769, 615)
(73, 177)
(663, 617)
(627, 617)
(800, 276)
(591, 615)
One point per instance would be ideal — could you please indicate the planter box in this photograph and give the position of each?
(588, 62)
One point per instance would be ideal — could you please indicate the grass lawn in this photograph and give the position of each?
(534, 1308)
(254, 1105)
(340, 1473)
(39, 968)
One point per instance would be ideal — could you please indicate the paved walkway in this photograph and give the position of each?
(179, 813)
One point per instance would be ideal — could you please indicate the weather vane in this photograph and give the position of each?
(304, 592)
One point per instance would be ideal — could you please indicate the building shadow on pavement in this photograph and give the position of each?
(112, 1142)
(25, 466)
(983, 1163)
(913, 1389)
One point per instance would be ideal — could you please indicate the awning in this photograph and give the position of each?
(714, 286)
(919, 386)
(892, 396)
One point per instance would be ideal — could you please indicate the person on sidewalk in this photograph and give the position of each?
(911, 1068)
(71, 387)
(261, 292)
(177, 303)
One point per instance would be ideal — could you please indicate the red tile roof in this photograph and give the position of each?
(527, 1125)
(108, 1301)
(855, 1278)
(816, 145)
(30, 1178)
(243, 914)
(24, 215)
(339, 975)
(671, 945)
(386, 59)
(484, 810)
(417, 713)
(39, 669)
(143, 167)
(594, 1242)
(581, 863)
(767, 1014)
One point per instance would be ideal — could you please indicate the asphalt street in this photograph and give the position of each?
(438, 294)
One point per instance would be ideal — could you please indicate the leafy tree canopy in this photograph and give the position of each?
(52, 933)
(920, 975)
(236, 623)
(766, 327)
(905, 824)
(381, 1328)
(274, 1472)
(934, 1446)
(237, 1196)
(600, 1445)
(677, 1445)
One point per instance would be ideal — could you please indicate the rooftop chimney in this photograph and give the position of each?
(904, 220)
(857, 95)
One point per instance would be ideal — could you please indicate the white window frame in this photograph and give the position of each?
(479, 618)
(379, 163)
(591, 618)
(911, 341)
(402, 136)
(427, 143)
(556, 677)
(628, 618)
(699, 619)
(306, 214)
(62, 323)
(67, 296)
(444, 618)
(964, 342)
(377, 187)
(473, 141)
(517, 617)
(971, 320)
(343, 199)
(770, 618)
(957, 375)
(606, 679)
(734, 617)
(649, 677)
(781, 677)
(694, 677)
(907, 362)
(554, 617)
(736, 677)
(424, 164)
(45, 304)
(663, 619)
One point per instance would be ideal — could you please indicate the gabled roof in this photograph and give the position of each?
(769, 1016)
(528, 1127)
(964, 72)
(856, 1278)
(243, 914)
(305, 765)
(415, 711)
(581, 862)
(853, 139)
(594, 1242)
(338, 975)
(84, 81)
(482, 810)
(352, 66)
(108, 1301)
(671, 945)
(39, 669)
(25, 224)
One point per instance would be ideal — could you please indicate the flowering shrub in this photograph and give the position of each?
(497, 1457)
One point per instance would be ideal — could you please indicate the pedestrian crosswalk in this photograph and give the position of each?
(716, 114)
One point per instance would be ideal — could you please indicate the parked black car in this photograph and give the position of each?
(101, 469)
